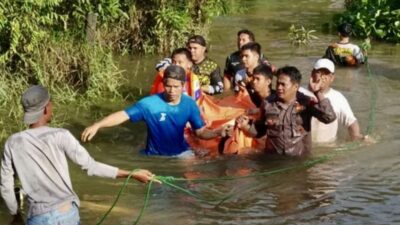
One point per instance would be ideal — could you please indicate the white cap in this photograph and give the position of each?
(326, 64)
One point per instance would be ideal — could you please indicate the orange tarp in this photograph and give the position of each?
(218, 112)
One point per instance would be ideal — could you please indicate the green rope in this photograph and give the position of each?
(372, 112)
(168, 180)
(121, 190)
(146, 202)
(306, 164)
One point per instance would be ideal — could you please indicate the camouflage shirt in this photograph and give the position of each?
(208, 73)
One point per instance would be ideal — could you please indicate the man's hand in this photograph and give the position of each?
(368, 140)
(315, 83)
(226, 130)
(242, 122)
(144, 176)
(89, 132)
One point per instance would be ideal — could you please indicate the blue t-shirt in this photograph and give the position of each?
(166, 123)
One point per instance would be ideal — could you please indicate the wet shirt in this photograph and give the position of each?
(39, 158)
(208, 73)
(323, 133)
(166, 123)
(233, 64)
(288, 126)
(339, 52)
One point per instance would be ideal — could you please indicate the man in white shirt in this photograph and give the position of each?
(322, 133)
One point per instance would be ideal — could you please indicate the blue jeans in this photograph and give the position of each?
(57, 217)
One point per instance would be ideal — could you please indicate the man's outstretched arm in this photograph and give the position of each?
(109, 121)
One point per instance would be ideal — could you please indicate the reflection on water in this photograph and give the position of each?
(361, 186)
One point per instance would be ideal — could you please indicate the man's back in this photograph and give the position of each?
(339, 53)
(39, 158)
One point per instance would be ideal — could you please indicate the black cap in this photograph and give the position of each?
(198, 39)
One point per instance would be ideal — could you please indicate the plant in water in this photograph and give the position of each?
(301, 36)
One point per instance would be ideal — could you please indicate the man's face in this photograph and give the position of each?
(249, 59)
(198, 52)
(182, 61)
(242, 39)
(260, 82)
(324, 75)
(173, 90)
(285, 89)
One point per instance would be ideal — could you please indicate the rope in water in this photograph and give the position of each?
(118, 196)
(168, 180)
(372, 110)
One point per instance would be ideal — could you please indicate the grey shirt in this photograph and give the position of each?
(38, 157)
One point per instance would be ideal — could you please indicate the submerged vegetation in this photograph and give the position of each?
(68, 45)
(299, 36)
(379, 19)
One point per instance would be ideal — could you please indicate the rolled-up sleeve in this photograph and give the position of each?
(7, 181)
(79, 155)
(323, 111)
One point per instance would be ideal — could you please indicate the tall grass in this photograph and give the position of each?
(75, 73)
(44, 42)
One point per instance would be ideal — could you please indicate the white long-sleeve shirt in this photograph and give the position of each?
(39, 158)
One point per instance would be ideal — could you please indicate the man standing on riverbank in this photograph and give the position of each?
(38, 157)
(286, 118)
(166, 115)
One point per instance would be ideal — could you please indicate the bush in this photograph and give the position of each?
(373, 18)
(44, 41)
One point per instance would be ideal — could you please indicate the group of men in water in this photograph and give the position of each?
(286, 116)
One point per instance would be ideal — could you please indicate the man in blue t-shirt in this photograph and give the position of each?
(166, 115)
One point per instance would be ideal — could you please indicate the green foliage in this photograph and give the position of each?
(159, 26)
(373, 18)
(44, 41)
(301, 36)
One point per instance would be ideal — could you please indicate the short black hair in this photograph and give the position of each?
(345, 29)
(252, 46)
(174, 72)
(292, 72)
(182, 51)
(248, 32)
(264, 70)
